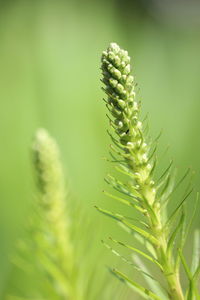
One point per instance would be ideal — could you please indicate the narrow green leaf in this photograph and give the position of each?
(165, 172)
(182, 179)
(140, 239)
(192, 218)
(145, 234)
(179, 183)
(178, 207)
(137, 220)
(185, 265)
(138, 251)
(192, 288)
(153, 167)
(174, 234)
(158, 136)
(128, 261)
(124, 171)
(120, 218)
(116, 217)
(120, 187)
(149, 208)
(115, 160)
(116, 253)
(174, 188)
(152, 282)
(116, 142)
(196, 251)
(124, 155)
(167, 189)
(185, 231)
(153, 153)
(147, 294)
(124, 201)
(197, 272)
(191, 291)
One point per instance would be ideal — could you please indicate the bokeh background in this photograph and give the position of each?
(50, 77)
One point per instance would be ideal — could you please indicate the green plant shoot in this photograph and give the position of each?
(162, 237)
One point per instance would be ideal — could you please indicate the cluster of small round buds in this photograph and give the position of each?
(135, 120)
(143, 148)
(114, 47)
(130, 145)
(135, 105)
(123, 134)
(124, 78)
(117, 57)
(121, 103)
(117, 78)
(120, 88)
(144, 145)
(113, 82)
(139, 124)
(144, 158)
(138, 143)
(149, 166)
(137, 187)
(130, 79)
(127, 70)
(116, 113)
(137, 175)
(111, 55)
(117, 61)
(119, 123)
(114, 71)
(152, 182)
(114, 58)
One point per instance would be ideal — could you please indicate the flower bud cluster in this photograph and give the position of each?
(120, 89)
(48, 168)
(51, 200)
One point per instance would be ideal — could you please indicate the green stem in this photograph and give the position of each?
(169, 270)
(135, 153)
(164, 258)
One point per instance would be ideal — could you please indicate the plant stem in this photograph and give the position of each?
(169, 271)
(167, 262)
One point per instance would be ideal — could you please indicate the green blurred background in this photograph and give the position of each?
(50, 77)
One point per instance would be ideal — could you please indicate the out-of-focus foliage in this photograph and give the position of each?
(53, 252)
(49, 76)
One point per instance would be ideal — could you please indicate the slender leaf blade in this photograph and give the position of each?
(147, 294)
